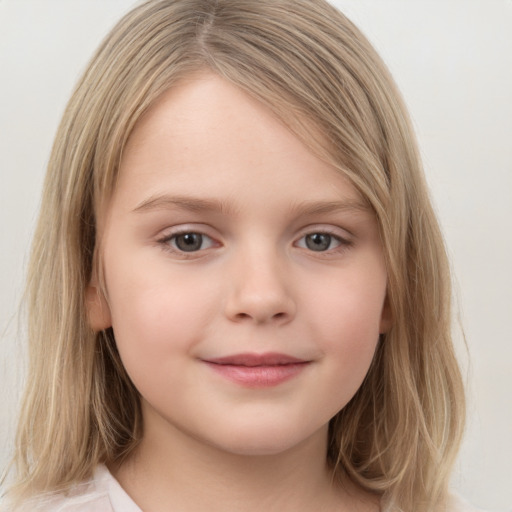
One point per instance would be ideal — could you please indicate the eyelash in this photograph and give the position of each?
(166, 242)
(343, 243)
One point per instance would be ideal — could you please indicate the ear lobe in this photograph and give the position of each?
(386, 318)
(98, 311)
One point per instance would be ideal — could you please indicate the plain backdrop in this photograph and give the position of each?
(452, 60)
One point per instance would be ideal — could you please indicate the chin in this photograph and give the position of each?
(270, 441)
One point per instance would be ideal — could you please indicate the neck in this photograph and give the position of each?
(179, 473)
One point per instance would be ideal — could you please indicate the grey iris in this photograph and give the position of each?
(189, 242)
(318, 241)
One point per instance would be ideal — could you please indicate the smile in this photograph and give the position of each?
(258, 370)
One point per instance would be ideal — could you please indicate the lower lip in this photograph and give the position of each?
(258, 376)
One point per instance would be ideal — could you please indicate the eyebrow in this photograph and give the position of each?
(192, 204)
(197, 205)
(309, 208)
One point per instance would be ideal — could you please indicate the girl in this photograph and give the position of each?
(238, 295)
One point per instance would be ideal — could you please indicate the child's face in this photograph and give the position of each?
(226, 240)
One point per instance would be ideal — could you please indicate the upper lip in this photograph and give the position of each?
(251, 359)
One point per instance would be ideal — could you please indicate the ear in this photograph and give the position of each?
(386, 317)
(98, 311)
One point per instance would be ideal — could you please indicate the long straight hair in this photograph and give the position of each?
(400, 433)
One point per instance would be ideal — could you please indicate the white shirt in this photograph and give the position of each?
(100, 494)
(104, 494)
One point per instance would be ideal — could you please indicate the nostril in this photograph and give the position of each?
(260, 308)
(246, 316)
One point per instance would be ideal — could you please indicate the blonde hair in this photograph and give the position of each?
(400, 433)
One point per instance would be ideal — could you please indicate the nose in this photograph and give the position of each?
(258, 292)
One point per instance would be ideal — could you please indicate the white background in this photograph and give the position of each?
(453, 62)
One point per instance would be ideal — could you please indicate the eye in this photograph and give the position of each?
(189, 242)
(319, 242)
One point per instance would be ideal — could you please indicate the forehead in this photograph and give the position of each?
(208, 135)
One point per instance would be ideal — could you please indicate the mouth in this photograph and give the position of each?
(258, 370)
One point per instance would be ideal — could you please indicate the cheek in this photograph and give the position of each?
(156, 317)
(350, 308)
(346, 322)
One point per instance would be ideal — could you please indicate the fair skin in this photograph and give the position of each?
(246, 289)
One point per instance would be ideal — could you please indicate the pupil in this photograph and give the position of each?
(189, 242)
(318, 241)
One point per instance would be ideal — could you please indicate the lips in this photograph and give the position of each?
(268, 359)
(258, 370)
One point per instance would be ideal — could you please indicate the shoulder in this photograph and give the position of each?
(77, 503)
(93, 495)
